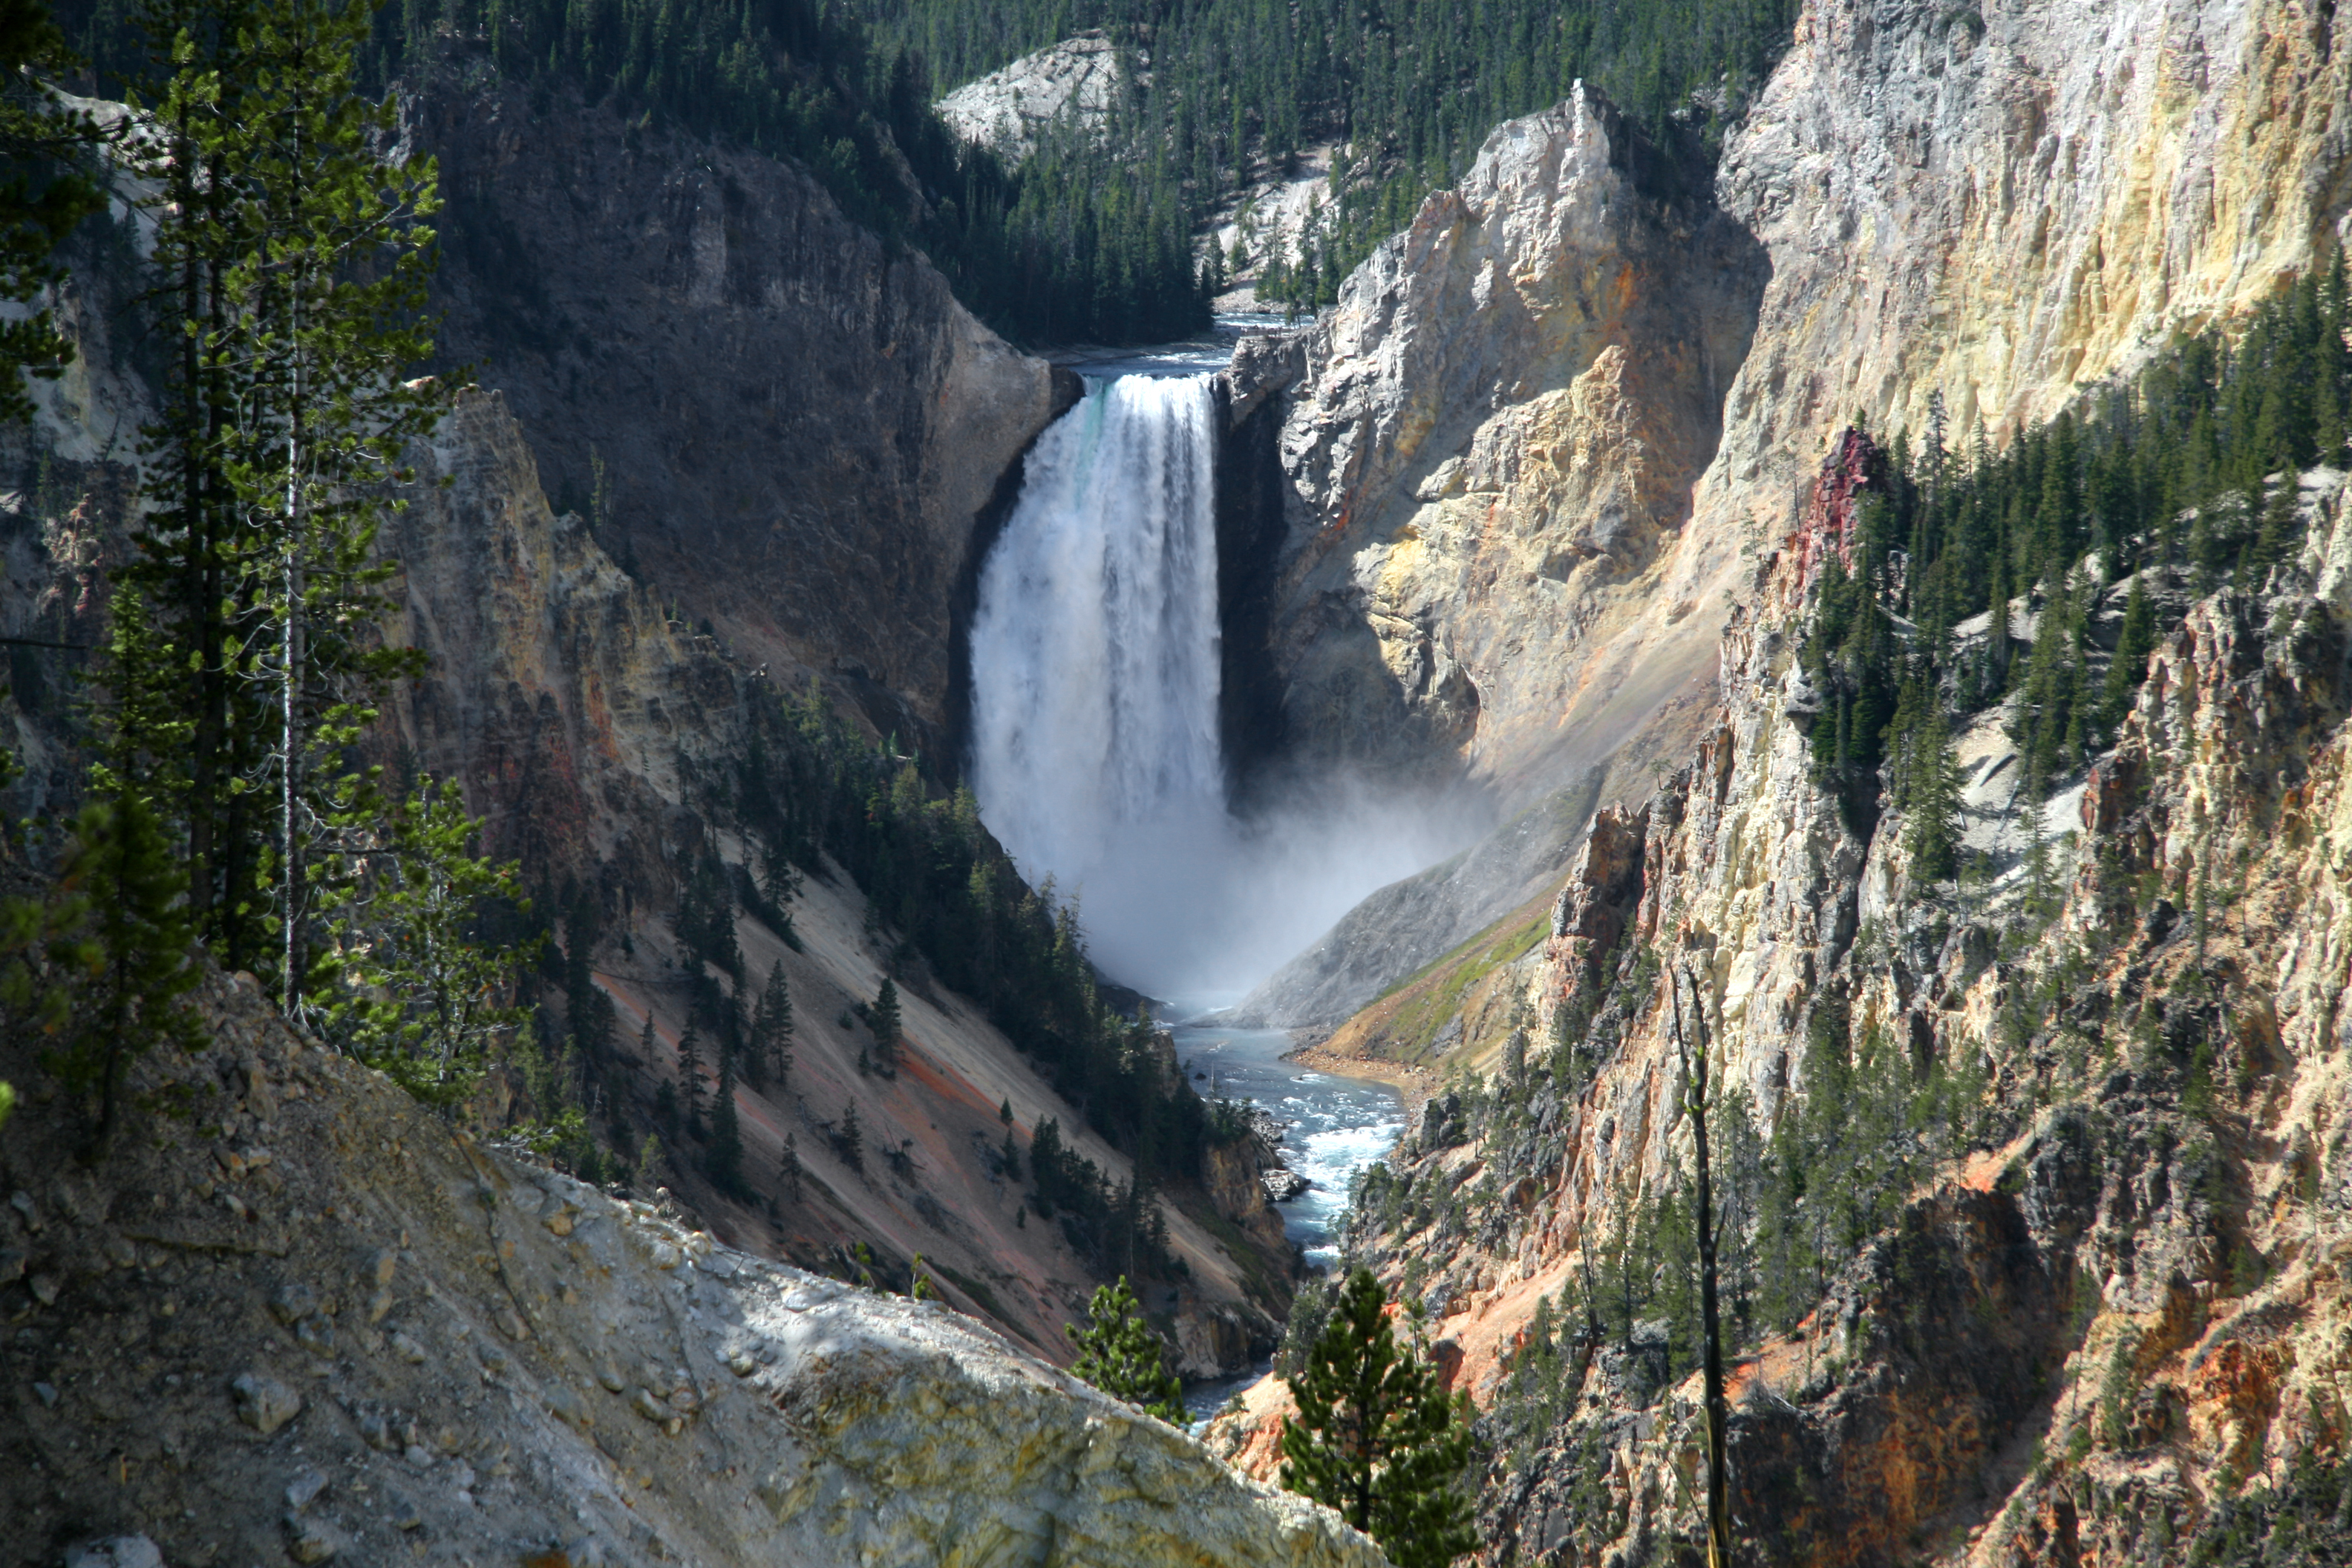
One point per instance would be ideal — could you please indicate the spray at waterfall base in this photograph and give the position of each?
(1096, 661)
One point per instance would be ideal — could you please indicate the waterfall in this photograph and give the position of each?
(1096, 666)
(1095, 656)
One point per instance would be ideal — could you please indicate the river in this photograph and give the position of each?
(1332, 1128)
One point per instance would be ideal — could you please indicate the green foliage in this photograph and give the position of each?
(1113, 1226)
(44, 192)
(724, 1159)
(888, 1026)
(420, 989)
(2133, 644)
(7, 1102)
(706, 917)
(289, 272)
(849, 1139)
(771, 1051)
(1376, 1438)
(2304, 1516)
(100, 968)
(1124, 1356)
(1310, 1309)
(2213, 431)
(812, 787)
(1541, 1382)
(1927, 793)
(1084, 241)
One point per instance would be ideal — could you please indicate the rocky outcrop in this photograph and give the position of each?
(1494, 438)
(568, 702)
(784, 424)
(304, 1316)
(1070, 88)
(1245, 1178)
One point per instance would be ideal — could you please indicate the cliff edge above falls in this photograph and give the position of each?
(296, 1315)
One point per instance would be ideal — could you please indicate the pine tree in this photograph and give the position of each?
(689, 1076)
(1376, 1438)
(117, 946)
(725, 1159)
(293, 262)
(416, 992)
(849, 1143)
(789, 1167)
(772, 1027)
(1932, 810)
(43, 196)
(2133, 644)
(1124, 1356)
(887, 1026)
(1695, 1049)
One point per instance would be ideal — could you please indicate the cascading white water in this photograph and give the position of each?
(1095, 670)
(1095, 648)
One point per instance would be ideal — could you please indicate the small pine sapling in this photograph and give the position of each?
(1124, 1356)
(1375, 1438)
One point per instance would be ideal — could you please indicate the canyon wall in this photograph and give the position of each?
(599, 740)
(1536, 450)
(1490, 447)
(2073, 1343)
(597, 717)
(796, 423)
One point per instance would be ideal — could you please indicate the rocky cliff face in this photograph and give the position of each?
(2077, 1343)
(795, 424)
(1537, 447)
(302, 1318)
(1071, 86)
(1493, 436)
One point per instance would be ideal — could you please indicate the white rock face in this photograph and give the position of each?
(502, 1363)
(1495, 439)
(1010, 111)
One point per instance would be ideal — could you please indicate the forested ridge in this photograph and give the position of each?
(2187, 466)
(1411, 87)
(1043, 254)
(1091, 238)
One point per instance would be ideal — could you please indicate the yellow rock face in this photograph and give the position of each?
(1590, 413)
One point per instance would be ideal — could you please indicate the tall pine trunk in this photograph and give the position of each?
(1695, 1087)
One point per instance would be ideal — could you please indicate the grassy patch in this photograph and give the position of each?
(1433, 996)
